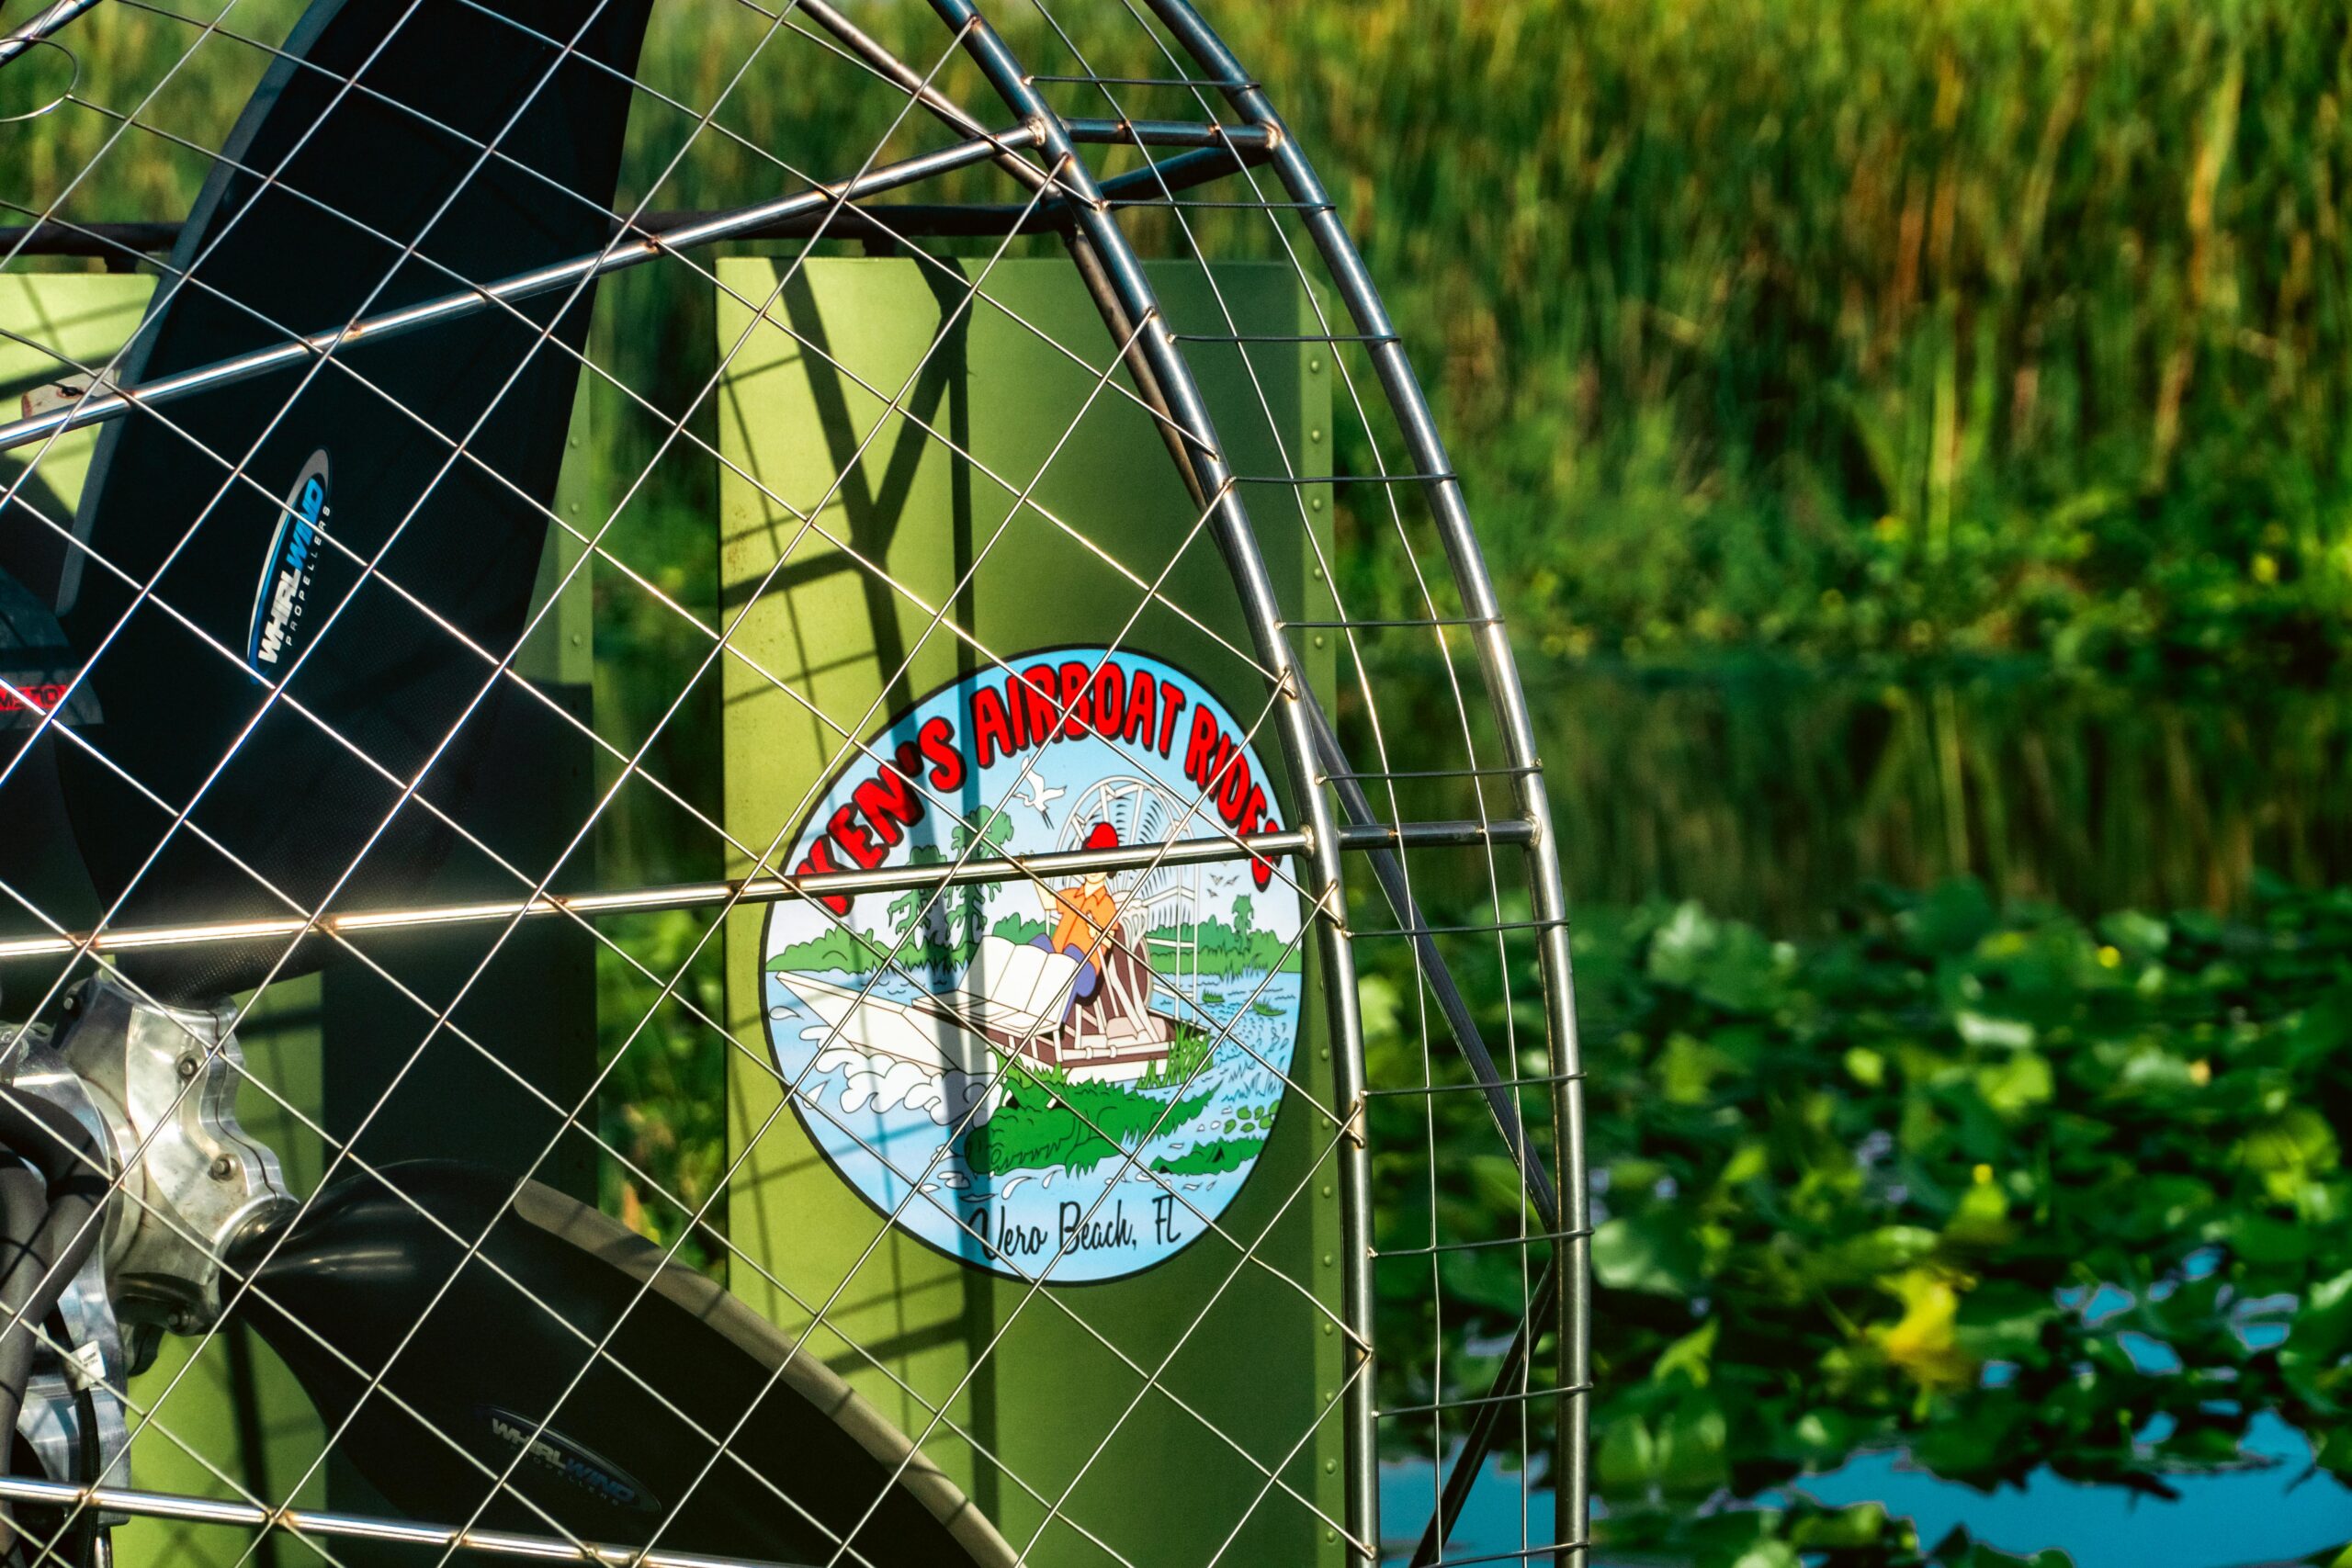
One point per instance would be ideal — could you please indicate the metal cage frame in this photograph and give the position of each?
(1237, 134)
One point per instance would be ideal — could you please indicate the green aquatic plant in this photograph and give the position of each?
(1189, 1053)
(1857, 1193)
(1047, 1120)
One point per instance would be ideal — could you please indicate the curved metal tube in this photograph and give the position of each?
(624, 252)
(1376, 838)
(95, 407)
(1353, 280)
(21, 39)
(1103, 251)
(301, 1522)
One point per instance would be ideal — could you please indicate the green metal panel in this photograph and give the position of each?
(88, 315)
(1041, 1380)
(560, 650)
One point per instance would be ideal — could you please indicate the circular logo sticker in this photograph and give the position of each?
(1065, 1077)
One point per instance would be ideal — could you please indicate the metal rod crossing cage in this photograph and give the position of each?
(1100, 132)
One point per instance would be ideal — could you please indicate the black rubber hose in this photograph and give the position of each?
(73, 1167)
(51, 1225)
(24, 1207)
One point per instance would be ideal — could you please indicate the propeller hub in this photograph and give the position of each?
(163, 1081)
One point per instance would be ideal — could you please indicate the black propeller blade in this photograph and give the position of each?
(349, 187)
(492, 1359)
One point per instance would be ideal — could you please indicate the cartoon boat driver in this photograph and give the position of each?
(1084, 913)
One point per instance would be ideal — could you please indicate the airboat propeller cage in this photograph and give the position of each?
(307, 552)
(363, 537)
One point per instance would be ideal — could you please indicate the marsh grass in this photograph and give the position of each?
(1833, 325)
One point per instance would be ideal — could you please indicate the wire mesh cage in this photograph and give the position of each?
(768, 809)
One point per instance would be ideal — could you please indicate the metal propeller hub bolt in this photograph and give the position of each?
(164, 1081)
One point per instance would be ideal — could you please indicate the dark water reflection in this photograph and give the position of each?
(1776, 795)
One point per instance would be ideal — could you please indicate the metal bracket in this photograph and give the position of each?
(165, 1084)
(72, 1416)
(158, 1086)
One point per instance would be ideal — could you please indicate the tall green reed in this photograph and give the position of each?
(1850, 328)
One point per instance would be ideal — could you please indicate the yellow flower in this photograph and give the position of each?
(1923, 1342)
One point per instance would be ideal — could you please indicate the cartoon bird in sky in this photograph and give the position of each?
(1035, 792)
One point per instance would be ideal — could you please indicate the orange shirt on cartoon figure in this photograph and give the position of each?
(1087, 909)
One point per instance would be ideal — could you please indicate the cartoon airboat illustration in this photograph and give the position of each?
(1101, 996)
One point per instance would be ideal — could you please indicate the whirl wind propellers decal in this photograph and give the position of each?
(282, 598)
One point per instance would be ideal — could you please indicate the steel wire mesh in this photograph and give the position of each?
(1123, 84)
